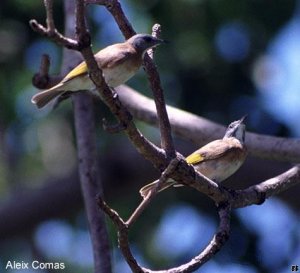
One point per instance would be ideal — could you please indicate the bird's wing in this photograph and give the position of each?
(79, 70)
(212, 150)
(106, 58)
(194, 158)
(113, 55)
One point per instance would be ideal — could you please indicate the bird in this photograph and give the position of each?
(119, 62)
(216, 160)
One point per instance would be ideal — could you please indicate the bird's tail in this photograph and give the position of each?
(44, 97)
(144, 191)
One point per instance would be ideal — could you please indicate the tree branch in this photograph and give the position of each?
(49, 15)
(22, 212)
(163, 119)
(50, 31)
(200, 130)
(91, 184)
(258, 193)
(90, 179)
(54, 35)
(122, 235)
(148, 149)
(218, 240)
(163, 178)
(41, 79)
(184, 174)
(114, 7)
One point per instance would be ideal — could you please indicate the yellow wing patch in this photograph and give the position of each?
(77, 71)
(194, 158)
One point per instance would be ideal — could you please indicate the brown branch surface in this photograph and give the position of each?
(41, 79)
(91, 183)
(163, 119)
(146, 201)
(201, 131)
(114, 7)
(122, 235)
(218, 240)
(185, 174)
(54, 35)
(85, 129)
(258, 193)
(49, 15)
(90, 179)
(22, 212)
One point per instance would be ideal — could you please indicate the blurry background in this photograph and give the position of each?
(226, 58)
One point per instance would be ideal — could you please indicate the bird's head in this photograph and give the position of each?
(143, 42)
(236, 129)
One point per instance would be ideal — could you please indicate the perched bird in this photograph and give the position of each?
(216, 160)
(119, 62)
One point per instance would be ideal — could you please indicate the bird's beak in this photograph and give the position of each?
(243, 118)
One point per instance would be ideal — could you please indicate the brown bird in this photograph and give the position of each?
(119, 62)
(216, 160)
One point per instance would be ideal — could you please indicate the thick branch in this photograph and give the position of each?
(258, 193)
(22, 212)
(201, 131)
(90, 179)
(88, 164)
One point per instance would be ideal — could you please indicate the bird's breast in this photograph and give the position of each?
(221, 168)
(119, 74)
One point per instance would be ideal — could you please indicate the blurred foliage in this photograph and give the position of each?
(206, 69)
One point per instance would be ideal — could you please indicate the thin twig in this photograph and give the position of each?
(163, 120)
(156, 31)
(49, 16)
(41, 79)
(122, 235)
(50, 31)
(218, 240)
(115, 8)
(55, 36)
(146, 201)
